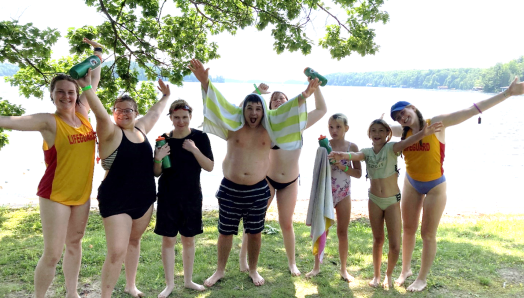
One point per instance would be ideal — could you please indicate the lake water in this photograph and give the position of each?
(484, 164)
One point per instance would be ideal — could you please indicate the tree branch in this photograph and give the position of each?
(30, 63)
(341, 24)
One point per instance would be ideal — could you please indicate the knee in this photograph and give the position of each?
(394, 248)
(74, 245)
(378, 240)
(254, 237)
(117, 256)
(410, 229)
(342, 232)
(188, 242)
(134, 242)
(286, 226)
(168, 242)
(428, 236)
(50, 259)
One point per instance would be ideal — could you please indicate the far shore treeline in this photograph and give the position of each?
(487, 80)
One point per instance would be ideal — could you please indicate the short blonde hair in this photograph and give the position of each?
(340, 117)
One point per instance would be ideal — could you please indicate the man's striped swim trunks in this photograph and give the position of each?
(236, 201)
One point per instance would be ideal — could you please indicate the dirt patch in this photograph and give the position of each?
(512, 275)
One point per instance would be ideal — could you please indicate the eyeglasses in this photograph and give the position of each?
(123, 111)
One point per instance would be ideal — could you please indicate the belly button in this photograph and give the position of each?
(245, 174)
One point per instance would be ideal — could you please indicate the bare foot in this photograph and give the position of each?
(134, 292)
(166, 292)
(345, 276)
(417, 286)
(257, 279)
(402, 278)
(312, 273)
(375, 282)
(194, 286)
(244, 267)
(294, 270)
(213, 279)
(72, 295)
(388, 283)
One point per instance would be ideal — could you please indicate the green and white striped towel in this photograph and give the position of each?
(284, 125)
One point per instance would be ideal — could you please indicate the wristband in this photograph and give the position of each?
(87, 87)
(98, 49)
(157, 161)
(347, 168)
(349, 155)
(256, 88)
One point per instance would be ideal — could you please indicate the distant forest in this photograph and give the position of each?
(488, 80)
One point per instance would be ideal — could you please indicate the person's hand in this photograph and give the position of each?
(382, 116)
(164, 88)
(161, 152)
(516, 87)
(263, 88)
(336, 155)
(339, 165)
(94, 44)
(190, 146)
(86, 80)
(201, 73)
(313, 85)
(433, 128)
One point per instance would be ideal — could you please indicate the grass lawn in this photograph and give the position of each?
(477, 257)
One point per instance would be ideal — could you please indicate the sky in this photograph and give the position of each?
(420, 35)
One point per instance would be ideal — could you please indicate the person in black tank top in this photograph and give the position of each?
(179, 206)
(127, 193)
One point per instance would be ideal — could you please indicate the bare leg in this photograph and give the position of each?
(224, 244)
(242, 257)
(434, 205)
(118, 229)
(73, 254)
(411, 205)
(316, 268)
(254, 243)
(54, 218)
(133, 252)
(343, 215)
(244, 267)
(168, 260)
(286, 201)
(394, 226)
(188, 255)
(376, 219)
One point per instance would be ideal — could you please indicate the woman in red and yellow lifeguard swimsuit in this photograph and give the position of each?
(425, 183)
(65, 189)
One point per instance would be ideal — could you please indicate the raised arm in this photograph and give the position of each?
(516, 88)
(313, 85)
(148, 121)
(428, 130)
(320, 109)
(105, 128)
(263, 88)
(201, 73)
(95, 78)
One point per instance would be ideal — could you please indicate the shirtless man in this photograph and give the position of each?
(244, 191)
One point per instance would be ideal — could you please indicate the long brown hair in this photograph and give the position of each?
(275, 95)
(421, 123)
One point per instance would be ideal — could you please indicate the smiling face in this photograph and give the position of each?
(406, 116)
(64, 94)
(253, 113)
(379, 133)
(277, 99)
(337, 129)
(180, 119)
(125, 113)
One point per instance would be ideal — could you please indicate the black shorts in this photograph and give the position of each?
(247, 202)
(181, 214)
(134, 213)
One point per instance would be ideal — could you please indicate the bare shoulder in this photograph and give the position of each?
(353, 147)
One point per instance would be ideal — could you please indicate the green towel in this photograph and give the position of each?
(284, 125)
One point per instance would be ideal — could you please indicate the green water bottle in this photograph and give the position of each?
(166, 163)
(79, 71)
(309, 72)
(324, 142)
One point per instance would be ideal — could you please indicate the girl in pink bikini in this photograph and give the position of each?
(341, 173)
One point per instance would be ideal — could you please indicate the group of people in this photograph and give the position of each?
(263, 150)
